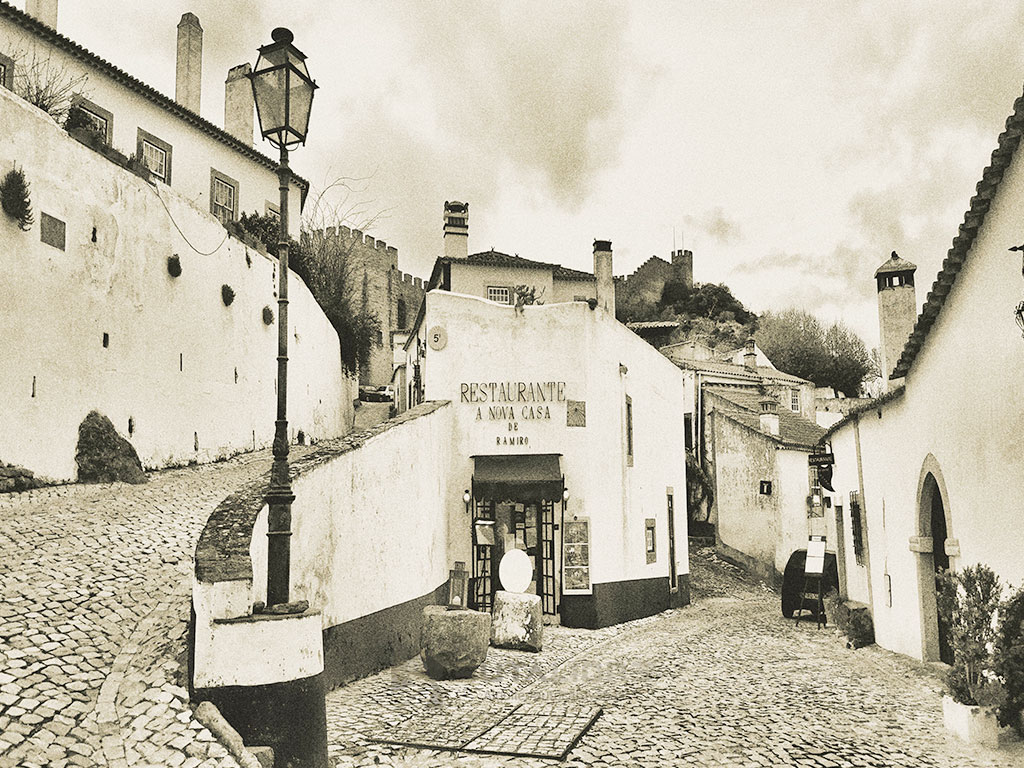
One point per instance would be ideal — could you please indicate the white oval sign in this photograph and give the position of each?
(437, 337)
(515, 572)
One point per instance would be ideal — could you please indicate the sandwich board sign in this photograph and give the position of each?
(814, 565)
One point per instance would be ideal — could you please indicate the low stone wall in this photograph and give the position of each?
(368, 548)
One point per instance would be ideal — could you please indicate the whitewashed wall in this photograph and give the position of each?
(174, 347)
(964, 407)
(583, 348)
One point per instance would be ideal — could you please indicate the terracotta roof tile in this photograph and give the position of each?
(1009, 139)
(744, 406)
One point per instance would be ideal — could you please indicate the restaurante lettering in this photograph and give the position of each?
(512, 392)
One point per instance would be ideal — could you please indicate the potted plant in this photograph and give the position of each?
(1009, 658)
(969, 601)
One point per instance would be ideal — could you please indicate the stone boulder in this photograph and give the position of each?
(103, 456)
(517, 622)
(453, 643)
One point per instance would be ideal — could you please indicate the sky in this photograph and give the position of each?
(790, 145)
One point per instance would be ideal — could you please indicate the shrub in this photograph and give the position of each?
(970, 599)
(174, 265)
(15, 200)
(1009, 660)
(227, 294)
(268, 316)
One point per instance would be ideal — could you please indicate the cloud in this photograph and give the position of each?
(532, 87)
(715, 223)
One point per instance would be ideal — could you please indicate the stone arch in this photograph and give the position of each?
(935, 548)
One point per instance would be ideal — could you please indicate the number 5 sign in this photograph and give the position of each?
(437, 337)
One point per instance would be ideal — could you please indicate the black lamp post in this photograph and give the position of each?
(283, 92)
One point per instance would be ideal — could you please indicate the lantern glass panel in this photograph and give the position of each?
(269, 89)
(301, 98)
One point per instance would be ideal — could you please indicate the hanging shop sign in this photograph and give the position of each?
(824, 462)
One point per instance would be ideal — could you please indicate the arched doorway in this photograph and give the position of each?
(933, 523)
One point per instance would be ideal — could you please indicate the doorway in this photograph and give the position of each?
(501, 526)
(933, 524)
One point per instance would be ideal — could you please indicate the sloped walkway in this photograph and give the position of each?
(724, 682)
(95, 589)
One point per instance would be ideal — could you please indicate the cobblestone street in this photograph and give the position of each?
(724, 682)
(95, 583)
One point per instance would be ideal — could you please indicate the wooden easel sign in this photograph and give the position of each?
(814, 565)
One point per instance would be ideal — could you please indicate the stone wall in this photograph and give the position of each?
(94, 319)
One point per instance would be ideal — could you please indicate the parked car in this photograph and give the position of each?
(373, 394)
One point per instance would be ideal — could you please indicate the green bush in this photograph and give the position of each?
(15, 200)
(1009, 660)
(970, 599)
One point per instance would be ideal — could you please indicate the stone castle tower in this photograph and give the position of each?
(897, 311)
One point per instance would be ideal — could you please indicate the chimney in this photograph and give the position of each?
(682, 267)
(603, 273)
(897, 312)
(43, 10)
(238, 104)
(750, 356)
(188, 74)
(769, 416)
(456, 229)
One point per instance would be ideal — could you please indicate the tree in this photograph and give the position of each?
(849, 360)
(796, 343)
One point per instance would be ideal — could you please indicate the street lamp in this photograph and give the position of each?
(283, 92)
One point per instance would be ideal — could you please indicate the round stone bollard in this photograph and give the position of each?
(517, 622)
(453, 643)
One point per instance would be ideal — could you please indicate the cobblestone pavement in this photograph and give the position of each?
(725, 681)
(95, 585)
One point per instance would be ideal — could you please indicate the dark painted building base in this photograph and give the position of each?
(618, 601)
(290, 717)
(681, 596)
(370, 643)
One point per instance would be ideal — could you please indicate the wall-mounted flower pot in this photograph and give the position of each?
(973, 724)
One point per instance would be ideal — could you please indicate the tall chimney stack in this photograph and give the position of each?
(603, 273)
(456, 229)
(43, 10)
(189, 69)
(750, 355)
(238, 104)
(769, 416)
(897, 312)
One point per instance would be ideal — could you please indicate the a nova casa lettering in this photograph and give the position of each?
(512, 392)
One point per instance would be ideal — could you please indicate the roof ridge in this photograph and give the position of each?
(974, 217)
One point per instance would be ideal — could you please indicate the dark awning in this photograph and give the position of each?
(521, 477)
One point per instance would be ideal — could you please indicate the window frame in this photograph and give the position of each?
(505, 288)
(78, 100)
(216, 176)
(629, 431)
(794, 400)
(143, 138)
(7, 77)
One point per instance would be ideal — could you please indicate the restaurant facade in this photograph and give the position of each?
(568, 444)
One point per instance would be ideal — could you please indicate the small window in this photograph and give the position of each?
(688, 431)
(400, 311)
(223, 196)
(101, 119)
(6, 72)
(649, 541)
(155, 154)
(794, 400)
(629, 431)
(272, 210)
(499, 293)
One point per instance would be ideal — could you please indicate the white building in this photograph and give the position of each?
(217, 168)
(931, 474)
(568, 443)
